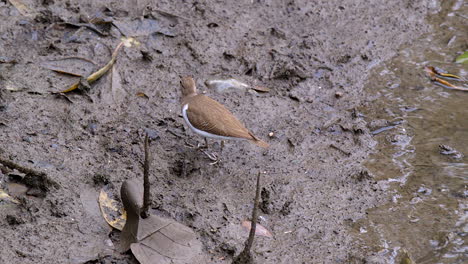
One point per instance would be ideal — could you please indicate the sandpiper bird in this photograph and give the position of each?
(211, 119)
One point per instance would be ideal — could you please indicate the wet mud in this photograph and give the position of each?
(314, 58)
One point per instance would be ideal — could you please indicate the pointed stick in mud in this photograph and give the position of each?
(146, 184)
(245, 257)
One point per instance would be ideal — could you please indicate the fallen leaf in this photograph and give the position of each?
(111, 209)
(155, 239)
(260, 230)
(141, 94)
(260, 88)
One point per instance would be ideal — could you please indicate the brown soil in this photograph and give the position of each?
(314, 56)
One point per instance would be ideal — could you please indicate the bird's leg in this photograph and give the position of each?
(211, 155)
(201, 146)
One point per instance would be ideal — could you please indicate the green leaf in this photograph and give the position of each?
(462, 58)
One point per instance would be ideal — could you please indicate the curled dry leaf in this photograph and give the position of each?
(141, 94)
(260, 230)
(111, 209)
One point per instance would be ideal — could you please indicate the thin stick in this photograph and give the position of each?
(20, 168)
(33, 178)
(245, 257)
(249, 241)
(146, 183)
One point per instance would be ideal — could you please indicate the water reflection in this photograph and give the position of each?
(427, 212)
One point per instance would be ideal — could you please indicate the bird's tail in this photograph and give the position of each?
(260, 143)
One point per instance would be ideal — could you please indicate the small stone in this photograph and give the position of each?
(338, 94)
(271, 134)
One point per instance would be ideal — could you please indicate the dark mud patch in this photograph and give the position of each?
(314, 57)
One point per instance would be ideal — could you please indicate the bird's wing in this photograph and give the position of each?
(208, 115)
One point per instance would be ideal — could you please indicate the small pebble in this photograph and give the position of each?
(338, 94)
(271, 134)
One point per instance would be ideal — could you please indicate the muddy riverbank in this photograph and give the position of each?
(314, 57)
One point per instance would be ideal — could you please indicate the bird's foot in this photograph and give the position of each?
(212, 156)
(202, 146)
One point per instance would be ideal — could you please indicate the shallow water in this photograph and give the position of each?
(426, 215)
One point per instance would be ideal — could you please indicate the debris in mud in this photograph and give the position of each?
(111, 208)
(362, 175)
(388, 126)
(142, 27)
(142, 94)
(463, 58)
(4, 59)
(155, 239)
(338, 95)
(449, 151)
(432, 72)
(6, 197)
(22, 8)
(245, 257)
(146, 183)
(436, 76)
(99, 24)
(152, 239)
(38, 182)
(259, 229)
(224, 85)
(99, 73)
(347, 153)
(74, 66)
(406, 258)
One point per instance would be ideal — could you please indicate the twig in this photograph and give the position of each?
(33, 178)
(98, 74)
(146, 184)
(245, 257)
(20, 168)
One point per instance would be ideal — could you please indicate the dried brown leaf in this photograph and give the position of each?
(261, 88)
(260, 230)
(141, 94)
(111, 209)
